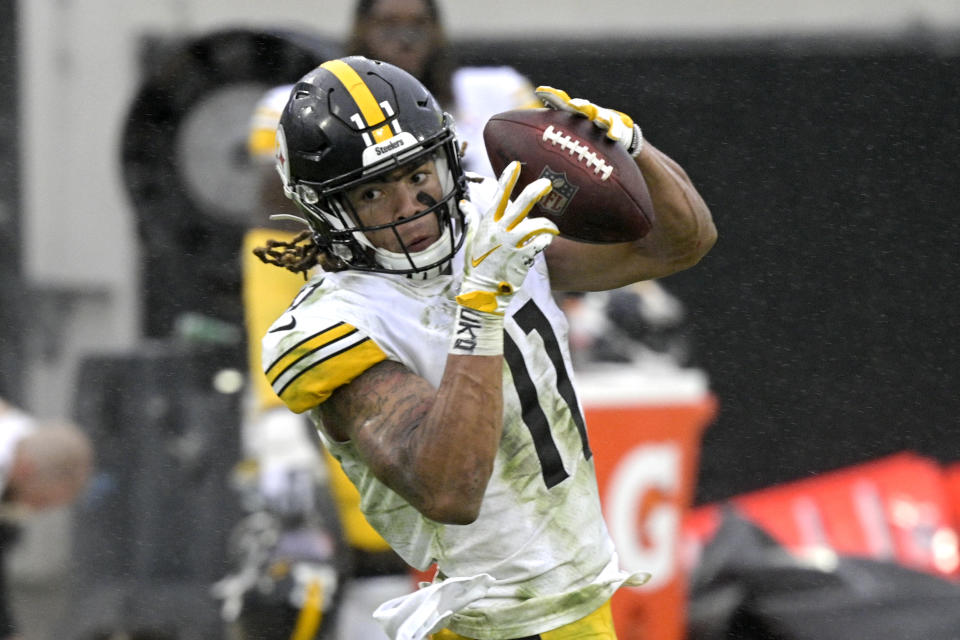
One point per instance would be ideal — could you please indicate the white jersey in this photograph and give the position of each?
(540, 532)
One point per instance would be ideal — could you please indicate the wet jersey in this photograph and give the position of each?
(540, 532)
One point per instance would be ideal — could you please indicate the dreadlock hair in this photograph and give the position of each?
(299, 255)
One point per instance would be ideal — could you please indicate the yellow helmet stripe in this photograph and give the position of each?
(361, 94)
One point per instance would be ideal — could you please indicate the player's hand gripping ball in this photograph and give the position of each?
(599, 194)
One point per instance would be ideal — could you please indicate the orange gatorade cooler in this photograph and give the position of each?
(645, 426)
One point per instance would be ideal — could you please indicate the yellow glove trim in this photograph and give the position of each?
(485, 301)
(476, 261)
(523, 214)
(508, 189)
(559, 93)
(627, 120)
(587, 109)
(527, 238)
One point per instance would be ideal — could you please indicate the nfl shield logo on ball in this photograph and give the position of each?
(559, 198)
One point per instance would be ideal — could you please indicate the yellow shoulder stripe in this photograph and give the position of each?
(314, 383)
(306, 347)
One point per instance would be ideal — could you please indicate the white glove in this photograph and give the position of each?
(618, 125)
(501, 244)
(499, 250)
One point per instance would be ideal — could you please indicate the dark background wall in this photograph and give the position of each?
(826, 315)
(11, 284)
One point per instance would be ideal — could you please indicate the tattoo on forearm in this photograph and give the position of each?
(387, 399)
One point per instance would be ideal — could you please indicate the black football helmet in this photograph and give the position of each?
(352, 120)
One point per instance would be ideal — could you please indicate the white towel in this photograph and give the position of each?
(417, 615)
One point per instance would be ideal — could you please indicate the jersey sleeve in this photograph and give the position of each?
(305, 367)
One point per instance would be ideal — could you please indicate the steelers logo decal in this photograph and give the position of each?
(282, 157)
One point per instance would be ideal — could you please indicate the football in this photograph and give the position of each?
(599, 194)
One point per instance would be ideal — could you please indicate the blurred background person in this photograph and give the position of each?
(410, 35)
(42, 466)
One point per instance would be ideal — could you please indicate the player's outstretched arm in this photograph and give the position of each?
(681, 235)
(436, 447)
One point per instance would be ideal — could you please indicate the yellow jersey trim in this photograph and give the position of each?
(305, 347)
(314, 375)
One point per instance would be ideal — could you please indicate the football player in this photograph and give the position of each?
(430, 354)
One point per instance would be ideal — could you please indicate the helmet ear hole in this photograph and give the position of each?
(308, 195)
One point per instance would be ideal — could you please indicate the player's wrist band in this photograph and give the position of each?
(476, 333)
(636, 145)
